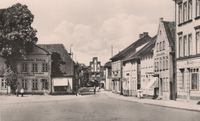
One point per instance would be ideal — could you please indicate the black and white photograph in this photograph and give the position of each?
(99, 60)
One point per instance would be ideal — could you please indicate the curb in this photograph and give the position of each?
(187, 109)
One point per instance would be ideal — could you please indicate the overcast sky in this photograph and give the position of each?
(91, 27)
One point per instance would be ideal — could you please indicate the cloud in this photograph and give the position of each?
(118, 31)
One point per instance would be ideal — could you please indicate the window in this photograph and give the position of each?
(182, 79)
(189, 9)
(160, 46)
(44, 67)
(35, 84)
(161, 64)
(180, 12)
(185, 46)
(190, 44)
(166, 63)
(185, 12)
(163, 45)
(24, 67)
(180, 47)
(44, 84)
(3, 83)
(157, 49)
(24, 83)
(164, 67)
(197, 8)
(194, 80)
(198, 42)
(34, 67)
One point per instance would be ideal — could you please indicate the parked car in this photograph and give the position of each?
(86, 90)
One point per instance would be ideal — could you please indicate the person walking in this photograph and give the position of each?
(22, 92)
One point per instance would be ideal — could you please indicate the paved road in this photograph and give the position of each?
(93, 108)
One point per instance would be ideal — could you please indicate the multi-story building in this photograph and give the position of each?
(164, 59)
(188, 48)
(108, 76)
(34, 71)
(148, 82)
(63, 81)
(132, 67)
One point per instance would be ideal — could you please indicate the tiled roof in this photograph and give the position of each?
(170, 29)
(66, 68)
(130, 49)
(147, 49)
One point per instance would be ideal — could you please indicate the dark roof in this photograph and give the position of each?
(146, 50)
(170, 29)
(66, 68)
(108, 65)
(130, 49)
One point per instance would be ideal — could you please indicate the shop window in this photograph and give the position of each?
(45, 84)
(194, 80)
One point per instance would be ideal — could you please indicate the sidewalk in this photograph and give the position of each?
(12, 99)
(180, 104)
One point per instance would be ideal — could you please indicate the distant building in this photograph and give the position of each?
(95, 70)
(164, 59)
(3, 87)
(132, 67)
(188, 48)
(63, 82)
(108, 76)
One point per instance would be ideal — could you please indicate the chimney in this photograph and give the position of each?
(143, 35)
(161, 19)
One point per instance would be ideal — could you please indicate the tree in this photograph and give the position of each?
(16, 34)
(55, 65)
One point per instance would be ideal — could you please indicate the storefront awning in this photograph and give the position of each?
(60, 82)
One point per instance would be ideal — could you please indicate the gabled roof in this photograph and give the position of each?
(170, 29)
(130, 49)
(66, 68)
(146, 50)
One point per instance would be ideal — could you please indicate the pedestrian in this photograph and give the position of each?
(22, 92)
(17, 92)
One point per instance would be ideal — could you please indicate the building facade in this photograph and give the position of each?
(63, 81)
(188, 48)
(34, 71)
(96, 71)
(164, 59)
(108, 76)
(148, 82)
(131, 77)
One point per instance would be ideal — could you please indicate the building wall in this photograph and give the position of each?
(116, 75)
(108, 84)
(147, 71)
(3, 86)
(163, 63)
(34, 82)
(130, 81)
(188, 50)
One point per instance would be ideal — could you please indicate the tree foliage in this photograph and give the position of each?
(16, 34)
(17, 37)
